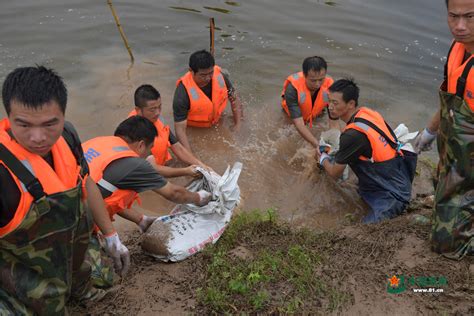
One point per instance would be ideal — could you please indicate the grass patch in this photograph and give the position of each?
(279, 272)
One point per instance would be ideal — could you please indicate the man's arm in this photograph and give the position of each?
(169, 172)
(180, 129)
(181, 106)
(98, 209)
(185, 155)
(178, 194)
(305, 132)
(237, 110)
(291, 99)
(433, 124)
(334, 170)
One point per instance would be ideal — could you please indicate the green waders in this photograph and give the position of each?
(453, 224)
(42, 261)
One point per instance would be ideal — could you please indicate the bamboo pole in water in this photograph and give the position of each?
(211, 33)
(124, 38)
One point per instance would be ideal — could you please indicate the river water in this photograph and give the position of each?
(395, 50)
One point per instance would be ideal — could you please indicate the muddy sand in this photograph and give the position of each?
(357, 260)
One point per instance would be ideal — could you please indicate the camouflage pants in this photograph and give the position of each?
(102, 270)
(453, 224)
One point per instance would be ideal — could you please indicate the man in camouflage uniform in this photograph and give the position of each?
(45, 226)
(453, 229)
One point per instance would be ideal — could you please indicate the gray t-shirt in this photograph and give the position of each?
(132, 173)
(182, 104)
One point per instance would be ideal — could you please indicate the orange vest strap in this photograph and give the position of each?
(447, 60)
(395, 144)
(32, 184)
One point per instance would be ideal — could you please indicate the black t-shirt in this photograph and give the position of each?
(353, 144)
(181, 102)
(172, 138)
(132, 173)
(9, 192)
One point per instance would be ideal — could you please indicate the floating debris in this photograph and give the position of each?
(218, 9)
(185, 9)
(233, 3)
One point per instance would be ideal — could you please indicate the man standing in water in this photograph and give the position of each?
(305, 96)
(45, 225)
(453, 124)
(201, 96)
(371, 149)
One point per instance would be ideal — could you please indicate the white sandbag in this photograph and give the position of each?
(404, 136)
(189, 227)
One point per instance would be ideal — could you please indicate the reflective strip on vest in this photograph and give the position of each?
(194, 94)
(120, 148)
(107, 185)
(220, 80)
(364, 126)
(302, 97)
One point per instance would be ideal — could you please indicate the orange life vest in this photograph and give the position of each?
(381, 149)
(64, 177)
(308, 110)
(455, 68)
(99, 153)
(203, 112)
(161, 142)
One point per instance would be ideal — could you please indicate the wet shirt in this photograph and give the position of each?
(132, 173)
(172, 138)
(291, 98)
(9, 193)
(352, 145)
(181, 102)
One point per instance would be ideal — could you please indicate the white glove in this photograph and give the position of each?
(323, 157)
(118, 252)
(424, 141)
(145, 222)
(204, 197)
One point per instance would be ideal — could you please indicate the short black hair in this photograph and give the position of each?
(314, 63)
(137, 128)
(201, 59)
(348, 88)
(447, 2)
(144, 93)
(33, 87)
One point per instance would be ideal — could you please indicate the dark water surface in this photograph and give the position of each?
(394, 49)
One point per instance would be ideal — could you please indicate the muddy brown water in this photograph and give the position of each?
(394, 49)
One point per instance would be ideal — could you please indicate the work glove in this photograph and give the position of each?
(323, 157)
(204, 197)
(145, 222)
(118, 252)
(424, 141)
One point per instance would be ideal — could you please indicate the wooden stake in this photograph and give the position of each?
(124, 38)
(211, 33)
